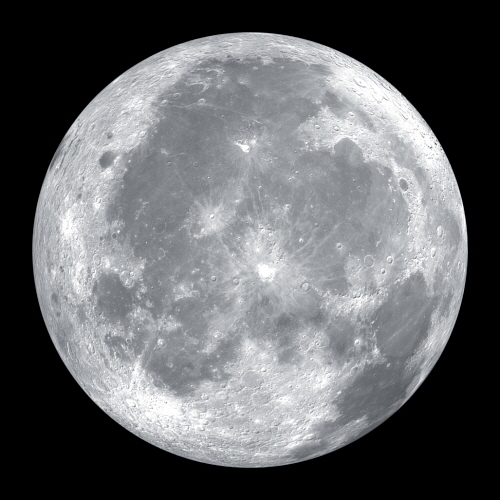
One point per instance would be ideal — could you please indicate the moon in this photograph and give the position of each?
(250, 250)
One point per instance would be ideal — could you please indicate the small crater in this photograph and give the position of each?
(126, 278)
(360, 82)
(403, 184)
(160, 227)
(305, 286)
(368, 260)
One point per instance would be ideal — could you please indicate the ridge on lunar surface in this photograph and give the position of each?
(250, 250)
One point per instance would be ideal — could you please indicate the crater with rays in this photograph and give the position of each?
(266, 272)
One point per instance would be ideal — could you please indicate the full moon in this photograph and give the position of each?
(249, 250)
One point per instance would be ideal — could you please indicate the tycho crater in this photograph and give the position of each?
(250, 250)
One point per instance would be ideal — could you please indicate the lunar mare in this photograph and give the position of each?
(250, 250)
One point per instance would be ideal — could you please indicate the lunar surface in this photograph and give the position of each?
(249, 250)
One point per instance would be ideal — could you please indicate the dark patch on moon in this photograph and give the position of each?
(112, 297)
(181, 367)
(106, 159)
(403, 321)
(341, 182)
(56, 305)
(342, 107)
(341, 335)
(375, 395)
(286, 333)
(375, 391)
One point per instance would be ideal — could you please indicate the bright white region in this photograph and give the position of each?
(246, 147)
(266, 272)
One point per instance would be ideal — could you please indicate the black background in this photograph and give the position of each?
(429, 437)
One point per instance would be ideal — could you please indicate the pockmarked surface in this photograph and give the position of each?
(250, 250)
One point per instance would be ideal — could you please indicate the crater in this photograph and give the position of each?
(106, 160)
(266, 272)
